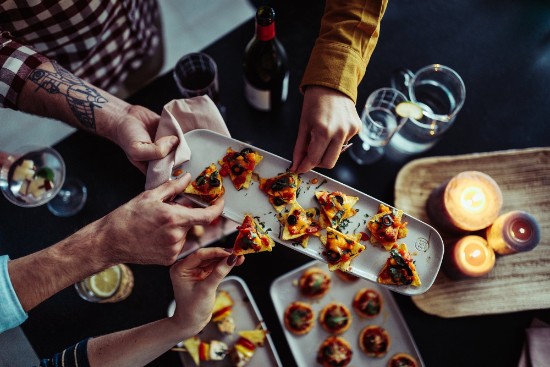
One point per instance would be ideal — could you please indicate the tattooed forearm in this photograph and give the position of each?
(81, 98)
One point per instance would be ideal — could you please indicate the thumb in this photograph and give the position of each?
(147, 151)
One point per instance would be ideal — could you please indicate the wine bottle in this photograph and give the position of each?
(265, 65)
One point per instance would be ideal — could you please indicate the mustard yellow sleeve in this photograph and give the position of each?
(348, 35)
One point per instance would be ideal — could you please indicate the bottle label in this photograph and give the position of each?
(258, 98)
(265, 33)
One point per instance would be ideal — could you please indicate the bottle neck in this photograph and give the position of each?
(265, 32)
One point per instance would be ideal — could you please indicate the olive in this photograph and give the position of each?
(292, 220)
(387, 220)
(339, 199)
(237, 169)
(200, 180)
(214, 182)
(278, 201)
(246, 151)
(333, 256)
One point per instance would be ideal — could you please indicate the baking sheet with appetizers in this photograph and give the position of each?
(422, 240)
(286, 289)
(247, 317)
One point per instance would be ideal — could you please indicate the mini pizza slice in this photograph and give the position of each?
(299, 223)
(374, 341)
(335, 351)
(239, 166)
(336, 206)
(340, 249)
(281, 190)
(208, 185)
(221, 313)
(246, 345)
(399, 268)
(386, 226)
(251, 238)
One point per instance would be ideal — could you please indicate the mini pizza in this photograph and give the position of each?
(298, 224)
(221, 313)
(340, 249)
(386, 226)
(345, 276)
(299, 318)
(208, 185)
(335, 351)
(251, 238)
(335, 318)
(281, 190)
(246, 345)
(314, 283)
(239, 166)
(402, 360)
(374, 341)
(367, 303)
(336, 206)
(399, 268)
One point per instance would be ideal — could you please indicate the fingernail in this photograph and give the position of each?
(228, 249)
(231, 260)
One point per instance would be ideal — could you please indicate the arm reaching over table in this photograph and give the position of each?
(195, 280)
(149, 229)
(349, 33)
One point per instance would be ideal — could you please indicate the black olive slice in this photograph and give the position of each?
(387, 220)
(291, 219)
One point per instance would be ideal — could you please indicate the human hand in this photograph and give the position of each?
(150, 229)
(328, 121)
(195, 280)
(135, 133)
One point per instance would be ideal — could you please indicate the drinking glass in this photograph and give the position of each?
(380, 122)
(196, 74)
(440, 92)
(111, 285)
(35, 175)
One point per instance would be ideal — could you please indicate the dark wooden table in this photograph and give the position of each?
(501, 50)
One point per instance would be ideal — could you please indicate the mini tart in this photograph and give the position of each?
(402, 360)
(345, 276)
(314, 283)
(299, 318)
(367, 303)
(374, 341)
(335, 351)
(335, 318)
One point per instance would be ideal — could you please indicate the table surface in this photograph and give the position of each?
(502, 53)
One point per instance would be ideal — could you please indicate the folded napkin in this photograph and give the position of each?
(536, 352)
(178, 117)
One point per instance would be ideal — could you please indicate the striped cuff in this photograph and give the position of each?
(74, 356)
(11, 312)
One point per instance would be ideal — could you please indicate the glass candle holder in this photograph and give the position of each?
(469, 257)
(468, 202)
(513, 232)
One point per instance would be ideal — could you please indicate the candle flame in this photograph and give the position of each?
(475, 253)
(473, 198)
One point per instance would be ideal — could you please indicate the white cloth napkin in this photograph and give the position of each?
(178, 117)
(536, 352)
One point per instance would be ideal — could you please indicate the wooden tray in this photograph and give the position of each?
(518, 282)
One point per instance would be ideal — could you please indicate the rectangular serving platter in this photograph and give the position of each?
(284, 290)
(247, 316)
(423, 241)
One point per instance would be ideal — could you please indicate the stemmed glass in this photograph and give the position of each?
(35, 175)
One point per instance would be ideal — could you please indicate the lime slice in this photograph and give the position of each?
(105, 283)
(409, 110)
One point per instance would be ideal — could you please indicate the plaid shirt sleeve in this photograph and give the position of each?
(16, 63)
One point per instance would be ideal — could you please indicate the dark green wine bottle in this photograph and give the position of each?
(265, 65)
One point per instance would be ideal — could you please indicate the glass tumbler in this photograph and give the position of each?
(196, 74)
(380, 122)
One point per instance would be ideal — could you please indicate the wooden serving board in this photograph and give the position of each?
(518, 282)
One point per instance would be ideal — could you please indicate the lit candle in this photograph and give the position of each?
(515, 231)
(468, 257)
(469, 201)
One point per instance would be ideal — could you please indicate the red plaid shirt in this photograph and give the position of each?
(99, 41)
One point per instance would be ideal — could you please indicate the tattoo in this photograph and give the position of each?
(81, 98)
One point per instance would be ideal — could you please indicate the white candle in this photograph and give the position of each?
(513, 232)
(468, 257)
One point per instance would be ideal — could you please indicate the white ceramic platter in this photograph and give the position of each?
(423, 241)
(247, 317)
(284, 290)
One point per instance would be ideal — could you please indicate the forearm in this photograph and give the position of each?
(40, 275)
(52, 91)
(135, 347)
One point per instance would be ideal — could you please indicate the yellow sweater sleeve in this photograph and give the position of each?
(348, 36)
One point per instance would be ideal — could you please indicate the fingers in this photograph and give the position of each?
(202, 215)
(147, 151)
(171, 188)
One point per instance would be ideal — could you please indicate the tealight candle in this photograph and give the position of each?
(468, 202)
(515, 231)
(468, 257)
